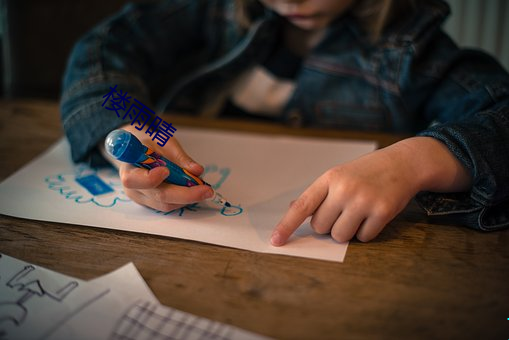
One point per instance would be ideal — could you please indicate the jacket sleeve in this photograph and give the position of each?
(131, 50)
(465, 96)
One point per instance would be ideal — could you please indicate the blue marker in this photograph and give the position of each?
(125, 147)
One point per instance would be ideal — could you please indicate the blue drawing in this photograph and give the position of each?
(180, 211)
(212, 171)
(215, 176)
(234, 210)
(101, 187)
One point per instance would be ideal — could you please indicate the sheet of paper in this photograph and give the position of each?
(260, 174)
(36, 303)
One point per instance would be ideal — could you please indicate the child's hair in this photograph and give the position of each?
(373, 15)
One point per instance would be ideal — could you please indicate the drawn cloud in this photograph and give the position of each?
(101, 187)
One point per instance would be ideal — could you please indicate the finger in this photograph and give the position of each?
(173, 151)
(347, 225)
(140, 198)
(326, 215)
(299, 210)
(177, 155)
(371, 228)
(139, 178)
(175, 194)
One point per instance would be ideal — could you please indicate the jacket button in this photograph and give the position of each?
(295, 118)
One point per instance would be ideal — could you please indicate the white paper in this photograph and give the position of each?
(36, 303)
(260, 174)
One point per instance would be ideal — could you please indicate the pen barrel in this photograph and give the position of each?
(181, 176)
(178, 176)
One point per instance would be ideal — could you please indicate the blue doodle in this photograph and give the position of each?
(102, 187)
(210, 175)
(190, 207)
(224, 172)
(234, 210)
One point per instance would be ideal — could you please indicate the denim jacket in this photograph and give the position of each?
(175, 54)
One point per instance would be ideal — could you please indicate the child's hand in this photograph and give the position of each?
(147, 187)
(360, 197)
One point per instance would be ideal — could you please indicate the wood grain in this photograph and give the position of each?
(418, 280)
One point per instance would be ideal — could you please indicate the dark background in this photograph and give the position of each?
(36, 37)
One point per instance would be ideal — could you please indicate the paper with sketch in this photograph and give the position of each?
(260, 174)
(36, 303)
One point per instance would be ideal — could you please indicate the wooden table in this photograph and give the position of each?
(416, 280)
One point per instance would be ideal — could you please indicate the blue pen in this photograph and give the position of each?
(125, 147)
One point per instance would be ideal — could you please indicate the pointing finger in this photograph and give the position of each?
(299, 210)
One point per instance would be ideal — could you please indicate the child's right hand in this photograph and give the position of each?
(147, 187)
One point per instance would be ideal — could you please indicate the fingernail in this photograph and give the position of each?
(166, 172)
(208, 194)
(276, 239)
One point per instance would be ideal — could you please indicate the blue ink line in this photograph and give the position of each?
(224, 211)
(224, 172)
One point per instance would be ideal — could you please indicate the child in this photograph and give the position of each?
(379, 65)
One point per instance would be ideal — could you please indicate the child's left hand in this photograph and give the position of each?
(359, 198)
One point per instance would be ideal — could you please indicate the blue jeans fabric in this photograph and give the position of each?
(414, 79)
